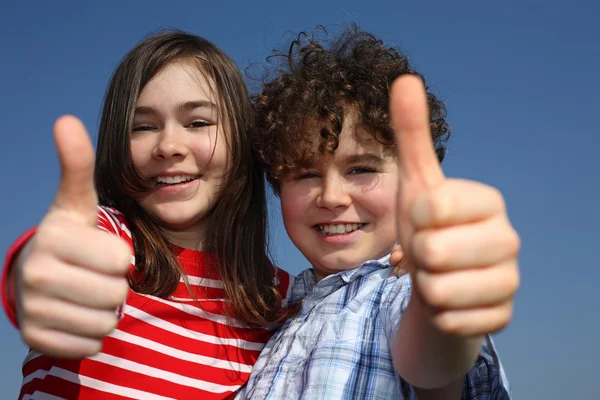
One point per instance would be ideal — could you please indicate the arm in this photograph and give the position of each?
(67, 282)
(461, 251)
(433, 359)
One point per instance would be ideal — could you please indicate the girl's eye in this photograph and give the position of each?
(140, 128)
(198, 124)
(361, 170)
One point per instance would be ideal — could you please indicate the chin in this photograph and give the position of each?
(175, 220)
(335, 264)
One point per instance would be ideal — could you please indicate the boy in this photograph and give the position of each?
(350, 186)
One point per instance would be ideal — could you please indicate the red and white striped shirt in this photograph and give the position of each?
(162, 348)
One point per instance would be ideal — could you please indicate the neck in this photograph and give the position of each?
(192, 239)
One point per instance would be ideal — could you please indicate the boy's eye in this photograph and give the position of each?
(361, 170)
(305, 175)
(198, 124)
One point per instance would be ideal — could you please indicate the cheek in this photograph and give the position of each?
(380, 203)
(293, 207)
(211, 155)
(140, 153)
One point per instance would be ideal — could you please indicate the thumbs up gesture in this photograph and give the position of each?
(70, 277)
(459, 245)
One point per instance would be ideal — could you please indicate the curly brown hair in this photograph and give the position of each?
(318, 80)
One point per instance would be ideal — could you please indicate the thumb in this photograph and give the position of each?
(76, 192)
(410, 119)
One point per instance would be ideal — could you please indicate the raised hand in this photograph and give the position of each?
(71, 275)
(459, 245)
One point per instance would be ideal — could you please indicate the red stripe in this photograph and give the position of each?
(181, 367)
(201, 292)
(194, 323)
(122, 377)
(220, 351)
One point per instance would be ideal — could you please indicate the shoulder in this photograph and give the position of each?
(113, 221)
(382, 275)
(396, 289)
(283, 282)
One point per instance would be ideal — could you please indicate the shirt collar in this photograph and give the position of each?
(305, 283)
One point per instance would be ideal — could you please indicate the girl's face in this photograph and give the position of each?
(178, 144)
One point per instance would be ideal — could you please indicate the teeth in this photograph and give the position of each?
(172, 180)
(338, 229)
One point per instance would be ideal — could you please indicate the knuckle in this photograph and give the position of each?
(497, 197)
(93, 348)
(121, 255)
(106, 325)
(515, 241)
(123, 290)
(512, 240)
(428, 250)
(48, 236)
(433, 292)
(90, 348)
(514, 280)
(445, 323)
(34, 278)
(117, 293)
(31, 336)
(497, 325)
(441, 206)
(31, 309)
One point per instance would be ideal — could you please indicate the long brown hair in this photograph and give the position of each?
(236, 227)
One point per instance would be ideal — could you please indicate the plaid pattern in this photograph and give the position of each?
(338, 346)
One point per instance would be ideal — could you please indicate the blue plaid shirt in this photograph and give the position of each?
(339, 345)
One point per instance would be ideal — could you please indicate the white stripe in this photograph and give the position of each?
(211, 283)
(37, 395)
(181, 331)
(31, 356)
(195, 311)
(187, 300)
(161, 374)
(86, 381)
(37, 374)
(109, 219)
(180, 354)
(112, 214)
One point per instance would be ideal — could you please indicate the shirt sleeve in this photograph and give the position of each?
(12, 252)
(487, 380)
(109, 220)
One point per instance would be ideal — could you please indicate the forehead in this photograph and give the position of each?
(177, 80)
(354, 139)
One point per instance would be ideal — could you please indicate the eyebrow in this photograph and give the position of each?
(185, 106)
(369, 158)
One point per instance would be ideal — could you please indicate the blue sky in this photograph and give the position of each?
(520, 81)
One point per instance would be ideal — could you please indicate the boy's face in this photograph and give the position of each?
(341, 210)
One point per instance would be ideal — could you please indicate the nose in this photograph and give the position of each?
(334, 193)
(170, 144)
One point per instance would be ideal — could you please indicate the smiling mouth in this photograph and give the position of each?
(174, 180)
(338, 229)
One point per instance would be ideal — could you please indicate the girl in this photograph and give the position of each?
(177, 183)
